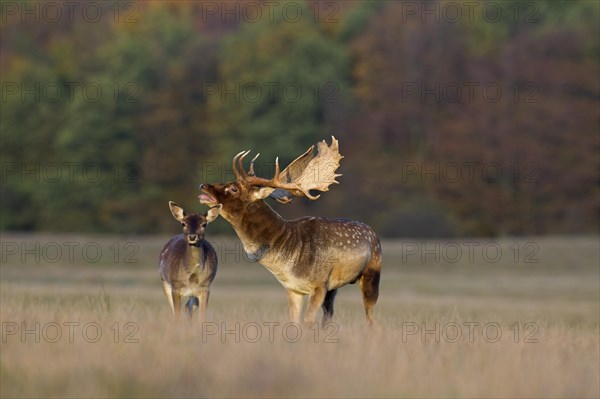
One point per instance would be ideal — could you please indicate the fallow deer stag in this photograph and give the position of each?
(188, 263)
(310, 255)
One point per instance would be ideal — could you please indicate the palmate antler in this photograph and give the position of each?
(309, 171)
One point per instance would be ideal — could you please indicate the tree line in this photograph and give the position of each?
(453, 121)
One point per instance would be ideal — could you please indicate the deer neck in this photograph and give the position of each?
(257, 228)
(194, 257)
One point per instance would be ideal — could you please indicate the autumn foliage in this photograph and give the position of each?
(483, 124)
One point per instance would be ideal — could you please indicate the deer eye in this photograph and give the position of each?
(203, 225)
(233, 189)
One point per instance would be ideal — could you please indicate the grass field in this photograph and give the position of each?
(85, 316)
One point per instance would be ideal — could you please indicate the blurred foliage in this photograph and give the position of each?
(102, 123)
(287, 78)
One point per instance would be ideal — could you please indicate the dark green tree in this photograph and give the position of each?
(282, 86)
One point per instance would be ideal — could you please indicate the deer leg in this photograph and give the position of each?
(189, 306)
(168, 293)
(328, 306)
(176, 298)
(315, 301)
(295, 303)
(202, 303)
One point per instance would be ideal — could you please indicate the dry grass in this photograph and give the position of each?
(559, 295)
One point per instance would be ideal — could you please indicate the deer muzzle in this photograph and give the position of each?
(206, 197)
(192, 239)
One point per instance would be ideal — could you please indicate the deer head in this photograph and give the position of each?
(195, 223)
(308, 172)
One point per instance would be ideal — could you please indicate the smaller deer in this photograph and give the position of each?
(188, 263)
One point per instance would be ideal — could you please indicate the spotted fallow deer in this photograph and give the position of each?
(188, 263)
(310, 255)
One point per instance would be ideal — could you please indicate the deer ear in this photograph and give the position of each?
(262, 193)
(213, 213)
(177, 211)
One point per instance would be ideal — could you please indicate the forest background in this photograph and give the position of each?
(455, 119)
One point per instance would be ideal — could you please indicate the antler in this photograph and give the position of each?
(236, 172)
(305, 173)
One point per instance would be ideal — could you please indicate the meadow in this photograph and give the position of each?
(85, 316)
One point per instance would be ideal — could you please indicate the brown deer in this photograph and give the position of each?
(310, 255)
(188, 263)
